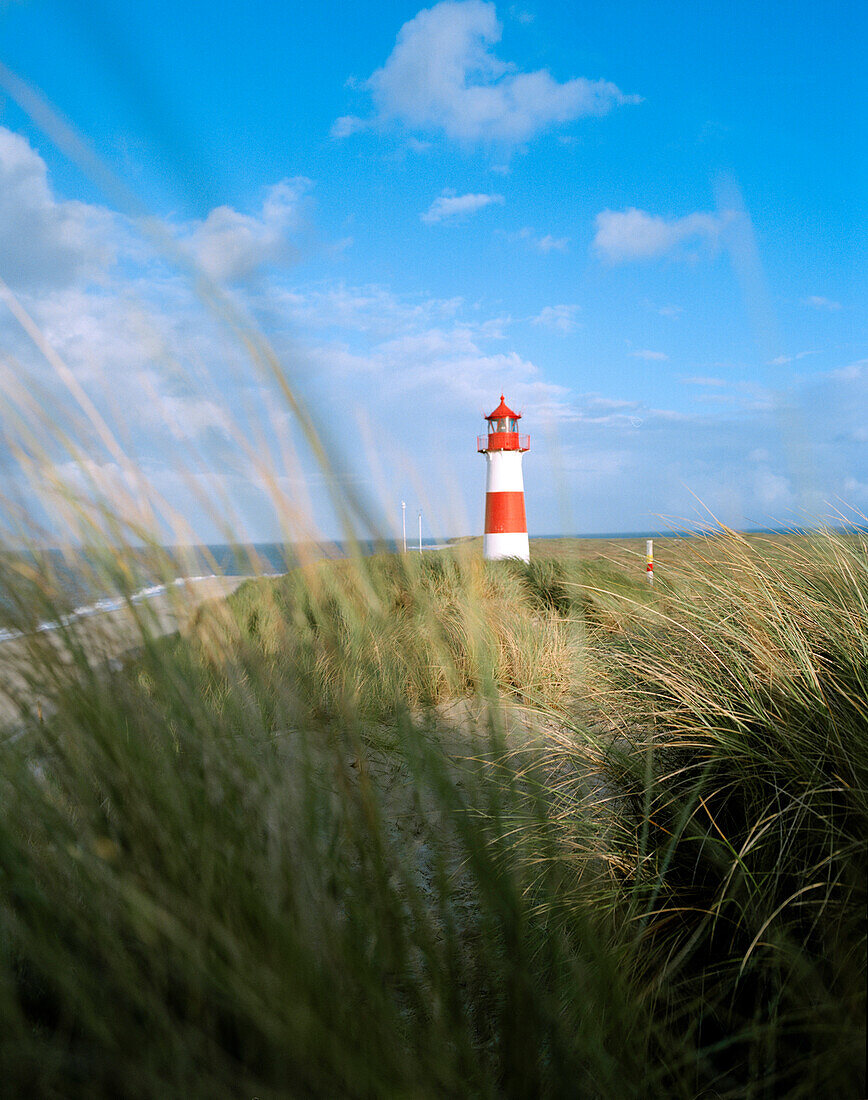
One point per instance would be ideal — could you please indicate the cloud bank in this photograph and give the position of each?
(160, 367)
(46, 243)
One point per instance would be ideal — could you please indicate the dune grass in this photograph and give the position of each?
(413, 825)
(424, 825)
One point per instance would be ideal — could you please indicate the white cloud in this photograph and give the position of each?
(855, 488)
(818, 302)
(851, 372)
(373, 310)
(46, 243)
(544, 244)
(548, 243)
(228, 245)
(701, 380)
(634, 235)
(443, 75)
(349, 124)
(451, 206)
(780, 360)
(644, 353)
(772, 490)
(561, 318)
(49, 244)
(671, 311)
(356, 334)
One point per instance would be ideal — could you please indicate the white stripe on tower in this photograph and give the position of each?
(505, 521)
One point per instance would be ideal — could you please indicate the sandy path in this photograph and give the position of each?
(102, 637)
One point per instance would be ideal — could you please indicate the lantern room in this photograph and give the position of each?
(503, 431)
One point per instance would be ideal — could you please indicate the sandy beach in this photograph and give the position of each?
(103, 636)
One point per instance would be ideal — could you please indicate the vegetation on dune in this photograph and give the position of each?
(410, 632)
(422, 825)
(395, 825)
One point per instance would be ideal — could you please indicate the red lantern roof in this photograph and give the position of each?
(503, 410)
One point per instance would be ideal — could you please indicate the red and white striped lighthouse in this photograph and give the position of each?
(505, 523)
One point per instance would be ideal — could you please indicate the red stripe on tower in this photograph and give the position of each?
(504, 512)
(505, 521)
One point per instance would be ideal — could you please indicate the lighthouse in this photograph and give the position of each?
(505, 523)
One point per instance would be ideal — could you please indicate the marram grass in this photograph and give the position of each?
(425, 826)
(417, 826)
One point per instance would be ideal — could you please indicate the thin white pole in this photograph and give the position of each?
(649, 560)
(420, 530)
(404, 523)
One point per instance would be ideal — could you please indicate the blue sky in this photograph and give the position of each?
(642, 223)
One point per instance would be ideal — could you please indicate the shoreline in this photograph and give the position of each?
(105, 632)
(107, 604)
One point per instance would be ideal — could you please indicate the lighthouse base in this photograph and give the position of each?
(512, 544)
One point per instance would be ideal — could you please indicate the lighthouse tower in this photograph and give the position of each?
(505, 522)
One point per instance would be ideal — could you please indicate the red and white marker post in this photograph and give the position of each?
(505, 521)
(649, 560)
